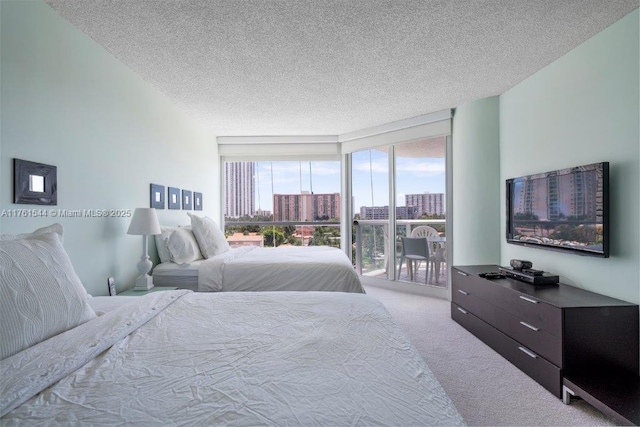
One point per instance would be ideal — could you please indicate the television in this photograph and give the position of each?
(565, 210)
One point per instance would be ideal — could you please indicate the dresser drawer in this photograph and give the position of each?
(544, 372)
(540, 341)
(528, 309)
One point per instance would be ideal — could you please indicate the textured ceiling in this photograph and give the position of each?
(326, 67)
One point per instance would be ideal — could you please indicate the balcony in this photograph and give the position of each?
(372, 246)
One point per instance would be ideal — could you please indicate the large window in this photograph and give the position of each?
(399, 190)
(282, 203)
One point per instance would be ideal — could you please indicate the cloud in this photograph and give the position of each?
(376, 166)
(420, 167)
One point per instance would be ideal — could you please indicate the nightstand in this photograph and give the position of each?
(136, 293)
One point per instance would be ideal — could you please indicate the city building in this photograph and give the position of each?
(241, 239)
(239, 189)
(560, 196)
(382, 212)
(306, 206)
(426, 203)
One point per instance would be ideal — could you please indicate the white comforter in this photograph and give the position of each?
(309, 268)
(274, 358)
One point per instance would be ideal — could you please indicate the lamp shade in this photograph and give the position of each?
(144, 222)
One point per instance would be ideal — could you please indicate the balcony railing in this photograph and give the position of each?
(305, 232)
(372, 248)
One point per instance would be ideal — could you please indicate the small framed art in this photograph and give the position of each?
(187, 201)
(34, 183)
(197, 201)
(157, 196)
(174, 198)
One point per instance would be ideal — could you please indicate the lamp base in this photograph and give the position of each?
(144, 283)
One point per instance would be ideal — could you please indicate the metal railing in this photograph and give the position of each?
(403, 227)
(303, 240)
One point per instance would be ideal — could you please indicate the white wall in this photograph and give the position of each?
(67, 102)
(583, 108)
(476, 183)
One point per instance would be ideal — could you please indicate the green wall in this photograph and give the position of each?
(582, 108)
(476, 178)
(65, 101)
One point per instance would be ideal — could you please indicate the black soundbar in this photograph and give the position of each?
(534, 279)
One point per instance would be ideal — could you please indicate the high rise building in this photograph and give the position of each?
(306, 206)
(426, 203)
(559, 196)
(382, 212)
(240, 189)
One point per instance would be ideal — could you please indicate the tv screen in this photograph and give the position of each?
(566, 210)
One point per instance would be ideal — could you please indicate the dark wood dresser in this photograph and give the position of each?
(550, 332)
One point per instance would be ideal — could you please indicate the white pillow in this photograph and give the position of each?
(53, 228)
(183, 247)
(161, 243)
(209, 236)
(40, 293)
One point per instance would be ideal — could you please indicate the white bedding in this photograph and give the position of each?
(172, 274)
(264, 358)
(309, 268)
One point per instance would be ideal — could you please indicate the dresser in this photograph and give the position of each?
(550, 332)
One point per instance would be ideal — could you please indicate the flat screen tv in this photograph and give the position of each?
(565, 210)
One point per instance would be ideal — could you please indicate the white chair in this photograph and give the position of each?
(436, 249)
(415, 250)
(424, 231)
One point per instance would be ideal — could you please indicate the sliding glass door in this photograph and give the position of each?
(399, 190)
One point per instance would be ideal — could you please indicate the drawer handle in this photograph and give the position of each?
(463, 311)
(463, 273)
(533, 328)
(528, 352)
(529, 300)
(463, 292)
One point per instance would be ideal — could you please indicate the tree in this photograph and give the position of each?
(270, 233)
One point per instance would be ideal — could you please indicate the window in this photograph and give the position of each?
(274, 203)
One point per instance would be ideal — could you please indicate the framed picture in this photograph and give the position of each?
(174, 198)
(187, 200)
(197, 201)
(157, 196)
(34, 183)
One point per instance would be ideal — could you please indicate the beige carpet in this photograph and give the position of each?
(485, 387)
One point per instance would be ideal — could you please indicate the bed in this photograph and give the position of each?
(282, 358)
(291, 268)
(180, 357)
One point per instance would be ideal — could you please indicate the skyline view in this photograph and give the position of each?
(413, 176)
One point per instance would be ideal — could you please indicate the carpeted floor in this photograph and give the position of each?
(485, 387)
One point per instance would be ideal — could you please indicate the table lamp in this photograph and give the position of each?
(144, 223)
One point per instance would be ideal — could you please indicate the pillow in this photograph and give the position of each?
(183, 247)
(40, 293)
(53, 228)
(209, 236)
(161, 243)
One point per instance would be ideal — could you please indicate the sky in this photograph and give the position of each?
(413, 176)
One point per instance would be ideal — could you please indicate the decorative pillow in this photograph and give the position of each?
(209, 236)
(161, 243)
(40, 293)
(182, 246)
(53, 228)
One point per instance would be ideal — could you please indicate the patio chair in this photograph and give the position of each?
(436, 249)
(415, 249)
